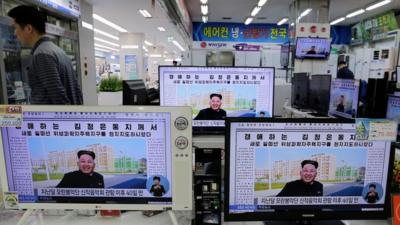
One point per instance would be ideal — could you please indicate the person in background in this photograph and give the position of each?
(157, 189)
(214, 112)
(340, 106)
(306, 185)
(343, 71)
(372, 195)
(52, 77)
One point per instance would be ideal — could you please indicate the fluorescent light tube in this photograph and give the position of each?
(355, 13)
(255, 10)
(107, 42)
(87, 25)
(204, 9)
(377, 5)
(105, 34)
(109, 23)
(178, 45)
(248, 20)
(262, 2)
(338, 20)
(282, 21)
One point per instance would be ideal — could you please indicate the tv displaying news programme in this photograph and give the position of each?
(215, 93)
(283, 166)
(90, 157)
(312, 48)
(344, 98)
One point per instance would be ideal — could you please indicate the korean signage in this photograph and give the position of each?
(238, 32)
(71, 7)
(377, 27)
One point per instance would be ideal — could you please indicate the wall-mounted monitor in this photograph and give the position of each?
(133, 158)
(313, 48)
(303, 169)
(215, 93)
(344, 98)
(393, 108)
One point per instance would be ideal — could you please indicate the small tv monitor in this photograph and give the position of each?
(215, 93)
(300, 85)
(393, 108)
(319, 93)
(376, 104)
(344, 98)
(313, 48)
(303, 169)
(134, 92)
(92, 157)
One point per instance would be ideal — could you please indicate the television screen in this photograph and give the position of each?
(105, 157)
(134, 92)
(344, 98)
(303, 169)
(313, 48)
(215, 93)
(300, 85)
(319, 93)
(393, 108)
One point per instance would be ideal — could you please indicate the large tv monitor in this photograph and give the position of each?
(303, 169)
(313, 48)
(81, 157)
(245, 92)
(300, 85)
(376, 104)
(319, 93)
(344, 98)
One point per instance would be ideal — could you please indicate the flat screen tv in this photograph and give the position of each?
(344, 98)
(134, 92)
(319, 93)
(245, 92)
(300, 85)
(312, 48)
(82, 157)
(303, 169)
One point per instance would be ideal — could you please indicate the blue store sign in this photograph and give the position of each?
(238, 32)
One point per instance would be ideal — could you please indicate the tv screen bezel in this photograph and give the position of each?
(210, 130)
(181, 166)
(317, 58)
(298, 214)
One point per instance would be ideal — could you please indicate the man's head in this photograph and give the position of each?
(342, 64)
(215, 101)
(313, 48)
(262, 114)
(156, 180)
(308, 171)
(175, 63)
(372, 187)
(29, 24)
(86, 162)
(342, 99)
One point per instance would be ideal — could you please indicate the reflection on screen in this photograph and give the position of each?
(242, 92)
(291, 166)
(344, 98)
(90, 157)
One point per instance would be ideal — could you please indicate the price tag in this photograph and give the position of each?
(10, 116)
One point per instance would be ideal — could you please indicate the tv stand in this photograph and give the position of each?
(305, 222)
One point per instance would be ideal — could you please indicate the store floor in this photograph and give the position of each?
(132, 217)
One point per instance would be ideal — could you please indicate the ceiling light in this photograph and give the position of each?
(305, 13)
(338, 20)
(155, 55)
(129, 46)
(87, 25)
(262, 2)
(105, 34)
(145, 49)
(144, 13)
(112, 57)
(161, 28)
(105, 47)
(168, 60)
(378, 4)
(292, 24)
(203, 1)
(204, 9)
(148, 43)
(165, 52)
(255, 10)
(282, 21)
(102, 50)
(205, 19)
(107, 42)
(248, 20)
(109, 23)
(355, 13)
(178, 45)
(178, 59)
